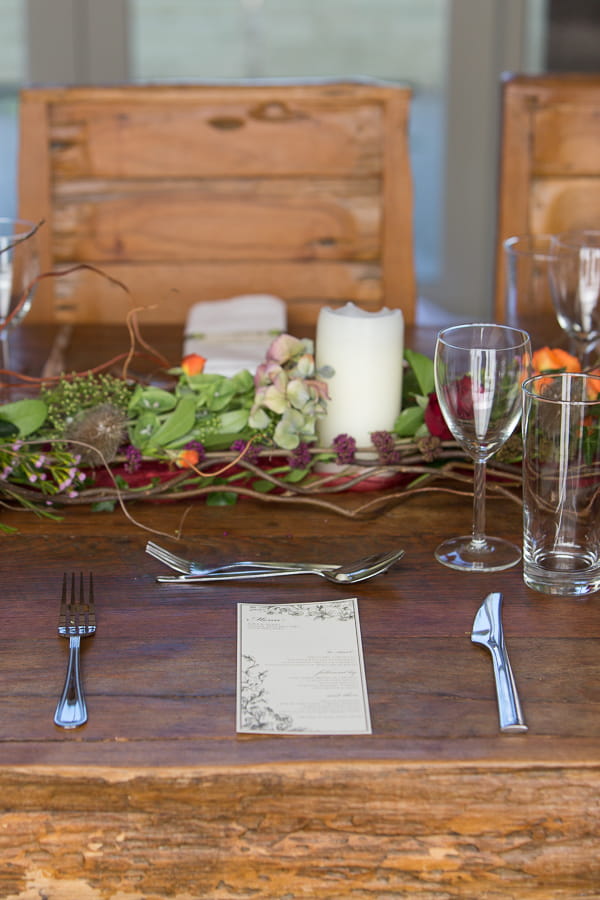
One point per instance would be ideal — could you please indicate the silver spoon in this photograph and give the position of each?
(360, 570)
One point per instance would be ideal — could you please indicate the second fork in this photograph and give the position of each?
(77, 619)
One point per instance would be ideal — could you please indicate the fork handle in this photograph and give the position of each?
(71, 711)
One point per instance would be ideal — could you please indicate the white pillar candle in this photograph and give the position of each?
(365, 351)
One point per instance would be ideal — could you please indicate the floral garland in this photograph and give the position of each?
(103, 440)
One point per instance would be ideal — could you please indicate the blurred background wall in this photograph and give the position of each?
(452, 52)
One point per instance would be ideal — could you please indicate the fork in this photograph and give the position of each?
(245, 567)
(77, 619)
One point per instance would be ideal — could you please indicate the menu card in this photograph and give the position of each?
(301, 669)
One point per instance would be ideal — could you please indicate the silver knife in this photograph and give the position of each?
(487, 630)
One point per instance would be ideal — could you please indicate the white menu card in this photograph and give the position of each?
(300, 669)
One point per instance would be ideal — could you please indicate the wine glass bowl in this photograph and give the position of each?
(575, 288)
(479, 370)
(19, 268)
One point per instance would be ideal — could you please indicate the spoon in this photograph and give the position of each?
(360, 570)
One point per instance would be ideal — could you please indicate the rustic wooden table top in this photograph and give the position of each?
(160, 678)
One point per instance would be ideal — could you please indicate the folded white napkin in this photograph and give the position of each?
(234, 334)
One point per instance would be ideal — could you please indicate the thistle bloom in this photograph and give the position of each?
(193, 364)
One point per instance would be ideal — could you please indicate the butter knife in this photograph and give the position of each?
(488, 631)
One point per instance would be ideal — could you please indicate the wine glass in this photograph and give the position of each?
(478, 374)
(575, 284)
(19, 268)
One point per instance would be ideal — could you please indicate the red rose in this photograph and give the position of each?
(434, 420)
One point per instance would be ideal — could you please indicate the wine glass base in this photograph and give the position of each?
(490, 555)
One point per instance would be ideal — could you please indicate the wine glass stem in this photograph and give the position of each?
(479, 504)
(587, 353)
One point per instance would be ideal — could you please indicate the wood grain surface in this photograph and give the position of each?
(157, 797)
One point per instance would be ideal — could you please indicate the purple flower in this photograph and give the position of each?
(383, 442)
(252, 453)
(300, 456)
(345, 448)
(133, 458)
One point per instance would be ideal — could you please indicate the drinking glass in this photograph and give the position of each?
(575, 283)
(478, 374)
(527, 260)
(561, 483)
(19, 268)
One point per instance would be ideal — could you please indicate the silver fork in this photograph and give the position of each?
(77, 619)
(245, 567)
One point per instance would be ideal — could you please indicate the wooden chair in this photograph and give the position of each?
(198, 192)
(549, 160)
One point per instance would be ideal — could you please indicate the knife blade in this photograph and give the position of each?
(488, 631)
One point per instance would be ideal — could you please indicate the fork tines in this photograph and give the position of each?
(77, 616)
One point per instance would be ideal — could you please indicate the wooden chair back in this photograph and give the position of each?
(190, 193)
(549, 161)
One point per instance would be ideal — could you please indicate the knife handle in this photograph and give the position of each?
(509, 708)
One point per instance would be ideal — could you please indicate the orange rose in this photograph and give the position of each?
(187, 459)
(553, 359)
(193, 364)
(594, 385)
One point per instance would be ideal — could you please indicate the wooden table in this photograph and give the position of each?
(158, 797)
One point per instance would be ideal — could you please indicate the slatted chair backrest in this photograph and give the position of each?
(187, 193)
(549, 161)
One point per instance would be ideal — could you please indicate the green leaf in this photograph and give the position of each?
(233, 421)
(104, 506)
(221, 498)
(152, 398)
(7, 429)
(26, 415)
(177, 424)
(142, 428)
(408, 421)
(295, 475)
(8, 529)
(422, 367)
(263, 486)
